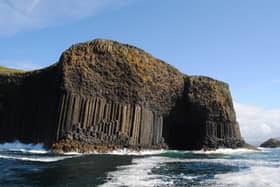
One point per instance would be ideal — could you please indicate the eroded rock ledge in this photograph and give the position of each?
(106, 94)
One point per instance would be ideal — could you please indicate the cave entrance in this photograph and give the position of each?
(184, 128)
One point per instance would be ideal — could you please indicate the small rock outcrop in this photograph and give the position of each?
(104, 95)
(271, 143)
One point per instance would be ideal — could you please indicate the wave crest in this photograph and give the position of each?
(21, 147)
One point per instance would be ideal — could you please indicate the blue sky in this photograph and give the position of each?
(237, 41)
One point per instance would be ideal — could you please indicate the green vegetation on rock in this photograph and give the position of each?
(5, 70)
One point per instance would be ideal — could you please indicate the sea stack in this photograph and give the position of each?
(104, 95)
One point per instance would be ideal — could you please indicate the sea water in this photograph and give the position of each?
(31, 165)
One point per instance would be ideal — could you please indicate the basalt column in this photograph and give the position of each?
(29, 106)
(204, 117)
(96, 120)
(106, 93)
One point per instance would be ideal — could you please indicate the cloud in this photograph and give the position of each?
(17, 15)
(20, 64)
(257, 124)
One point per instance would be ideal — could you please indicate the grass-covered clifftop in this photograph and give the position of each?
(5, 70)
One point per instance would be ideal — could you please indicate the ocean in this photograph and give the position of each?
(31, 165)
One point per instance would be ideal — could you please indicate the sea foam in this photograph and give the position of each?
(140, 171)
(135, 153)
(29, 152)
(226, 151)
(18, 146)
(35, 159)
(136, 174)
(253, 177)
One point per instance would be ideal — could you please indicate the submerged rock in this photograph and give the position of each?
(271, 143)
(106, 93)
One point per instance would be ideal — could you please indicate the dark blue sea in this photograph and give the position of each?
(31, 165)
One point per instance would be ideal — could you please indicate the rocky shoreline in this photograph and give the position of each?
(68, 146)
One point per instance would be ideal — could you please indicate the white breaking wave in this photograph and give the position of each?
(35, 159)
(253, 177)
(147, 152)
(39, 149)
(18, 146)
(125, 151)
(29, 152)
(138, 174)
(73, 153)
(226, 151)
(136, 153)
(158, 152)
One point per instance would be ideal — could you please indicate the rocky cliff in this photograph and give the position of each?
(103, 93)
(203, 117)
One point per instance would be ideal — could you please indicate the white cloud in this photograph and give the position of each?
(18, 15)
(21, 65)
(257, 124)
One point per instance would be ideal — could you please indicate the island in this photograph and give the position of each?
(271, 143)
(103, 95)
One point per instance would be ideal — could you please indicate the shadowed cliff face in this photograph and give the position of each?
(204, 117)
(106, 93)
(29, 105)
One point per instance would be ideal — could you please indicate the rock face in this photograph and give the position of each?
(204, 117)
(271, 143)
(28, 106)
(106, 93)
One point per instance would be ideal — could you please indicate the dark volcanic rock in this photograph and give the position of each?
(29, 106)
(103, 93)
(204, 117)
(120, 73)
(271, 143)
